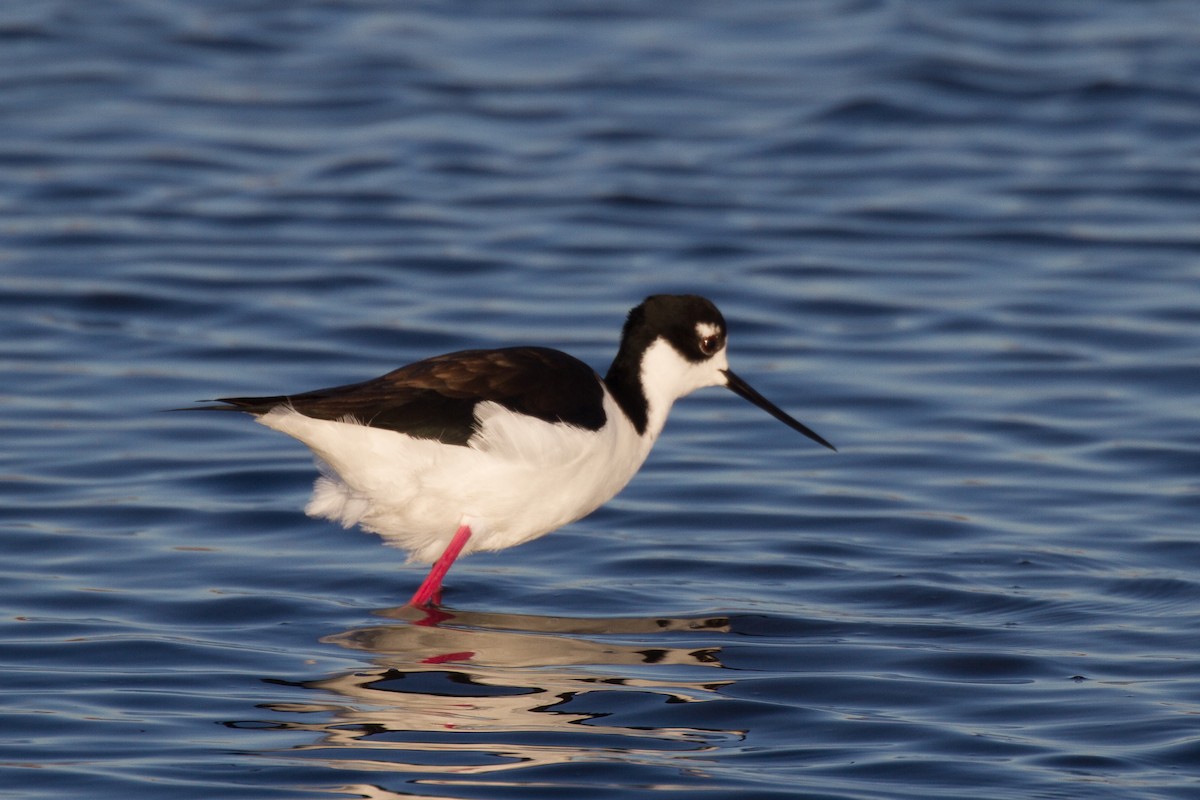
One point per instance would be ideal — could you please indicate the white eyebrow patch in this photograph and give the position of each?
(706, 329)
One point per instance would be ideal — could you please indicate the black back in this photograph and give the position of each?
(436, 398)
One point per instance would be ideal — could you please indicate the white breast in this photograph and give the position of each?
(518, 479)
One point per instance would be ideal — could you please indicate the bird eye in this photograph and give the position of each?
(710, 345)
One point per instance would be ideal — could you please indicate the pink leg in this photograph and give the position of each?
(430, 591)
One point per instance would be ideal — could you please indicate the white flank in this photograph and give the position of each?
(519, 478)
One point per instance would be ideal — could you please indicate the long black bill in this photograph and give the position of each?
(740, 387)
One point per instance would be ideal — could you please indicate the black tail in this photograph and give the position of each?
(251, 405)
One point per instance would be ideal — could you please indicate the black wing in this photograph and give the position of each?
(436, 398)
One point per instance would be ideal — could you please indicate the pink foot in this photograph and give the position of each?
(430, 591)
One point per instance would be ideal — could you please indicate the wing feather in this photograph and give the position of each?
(436, 398)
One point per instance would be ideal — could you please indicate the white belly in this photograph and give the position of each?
(519, 478)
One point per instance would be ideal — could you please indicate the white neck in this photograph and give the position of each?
(666, 376)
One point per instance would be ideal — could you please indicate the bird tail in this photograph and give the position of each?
(250, 405)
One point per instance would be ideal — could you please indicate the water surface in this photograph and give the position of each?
(958, 239)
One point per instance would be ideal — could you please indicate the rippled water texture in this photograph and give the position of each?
(959, 239)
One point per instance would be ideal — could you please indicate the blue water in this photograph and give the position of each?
(959, 239)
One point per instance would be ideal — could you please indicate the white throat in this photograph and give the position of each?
(666, 376)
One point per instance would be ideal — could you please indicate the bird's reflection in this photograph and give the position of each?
(475, 693)
(515, 640)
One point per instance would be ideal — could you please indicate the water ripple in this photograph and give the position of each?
(957, 239)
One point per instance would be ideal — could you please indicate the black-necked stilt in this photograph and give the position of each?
(487, 449)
